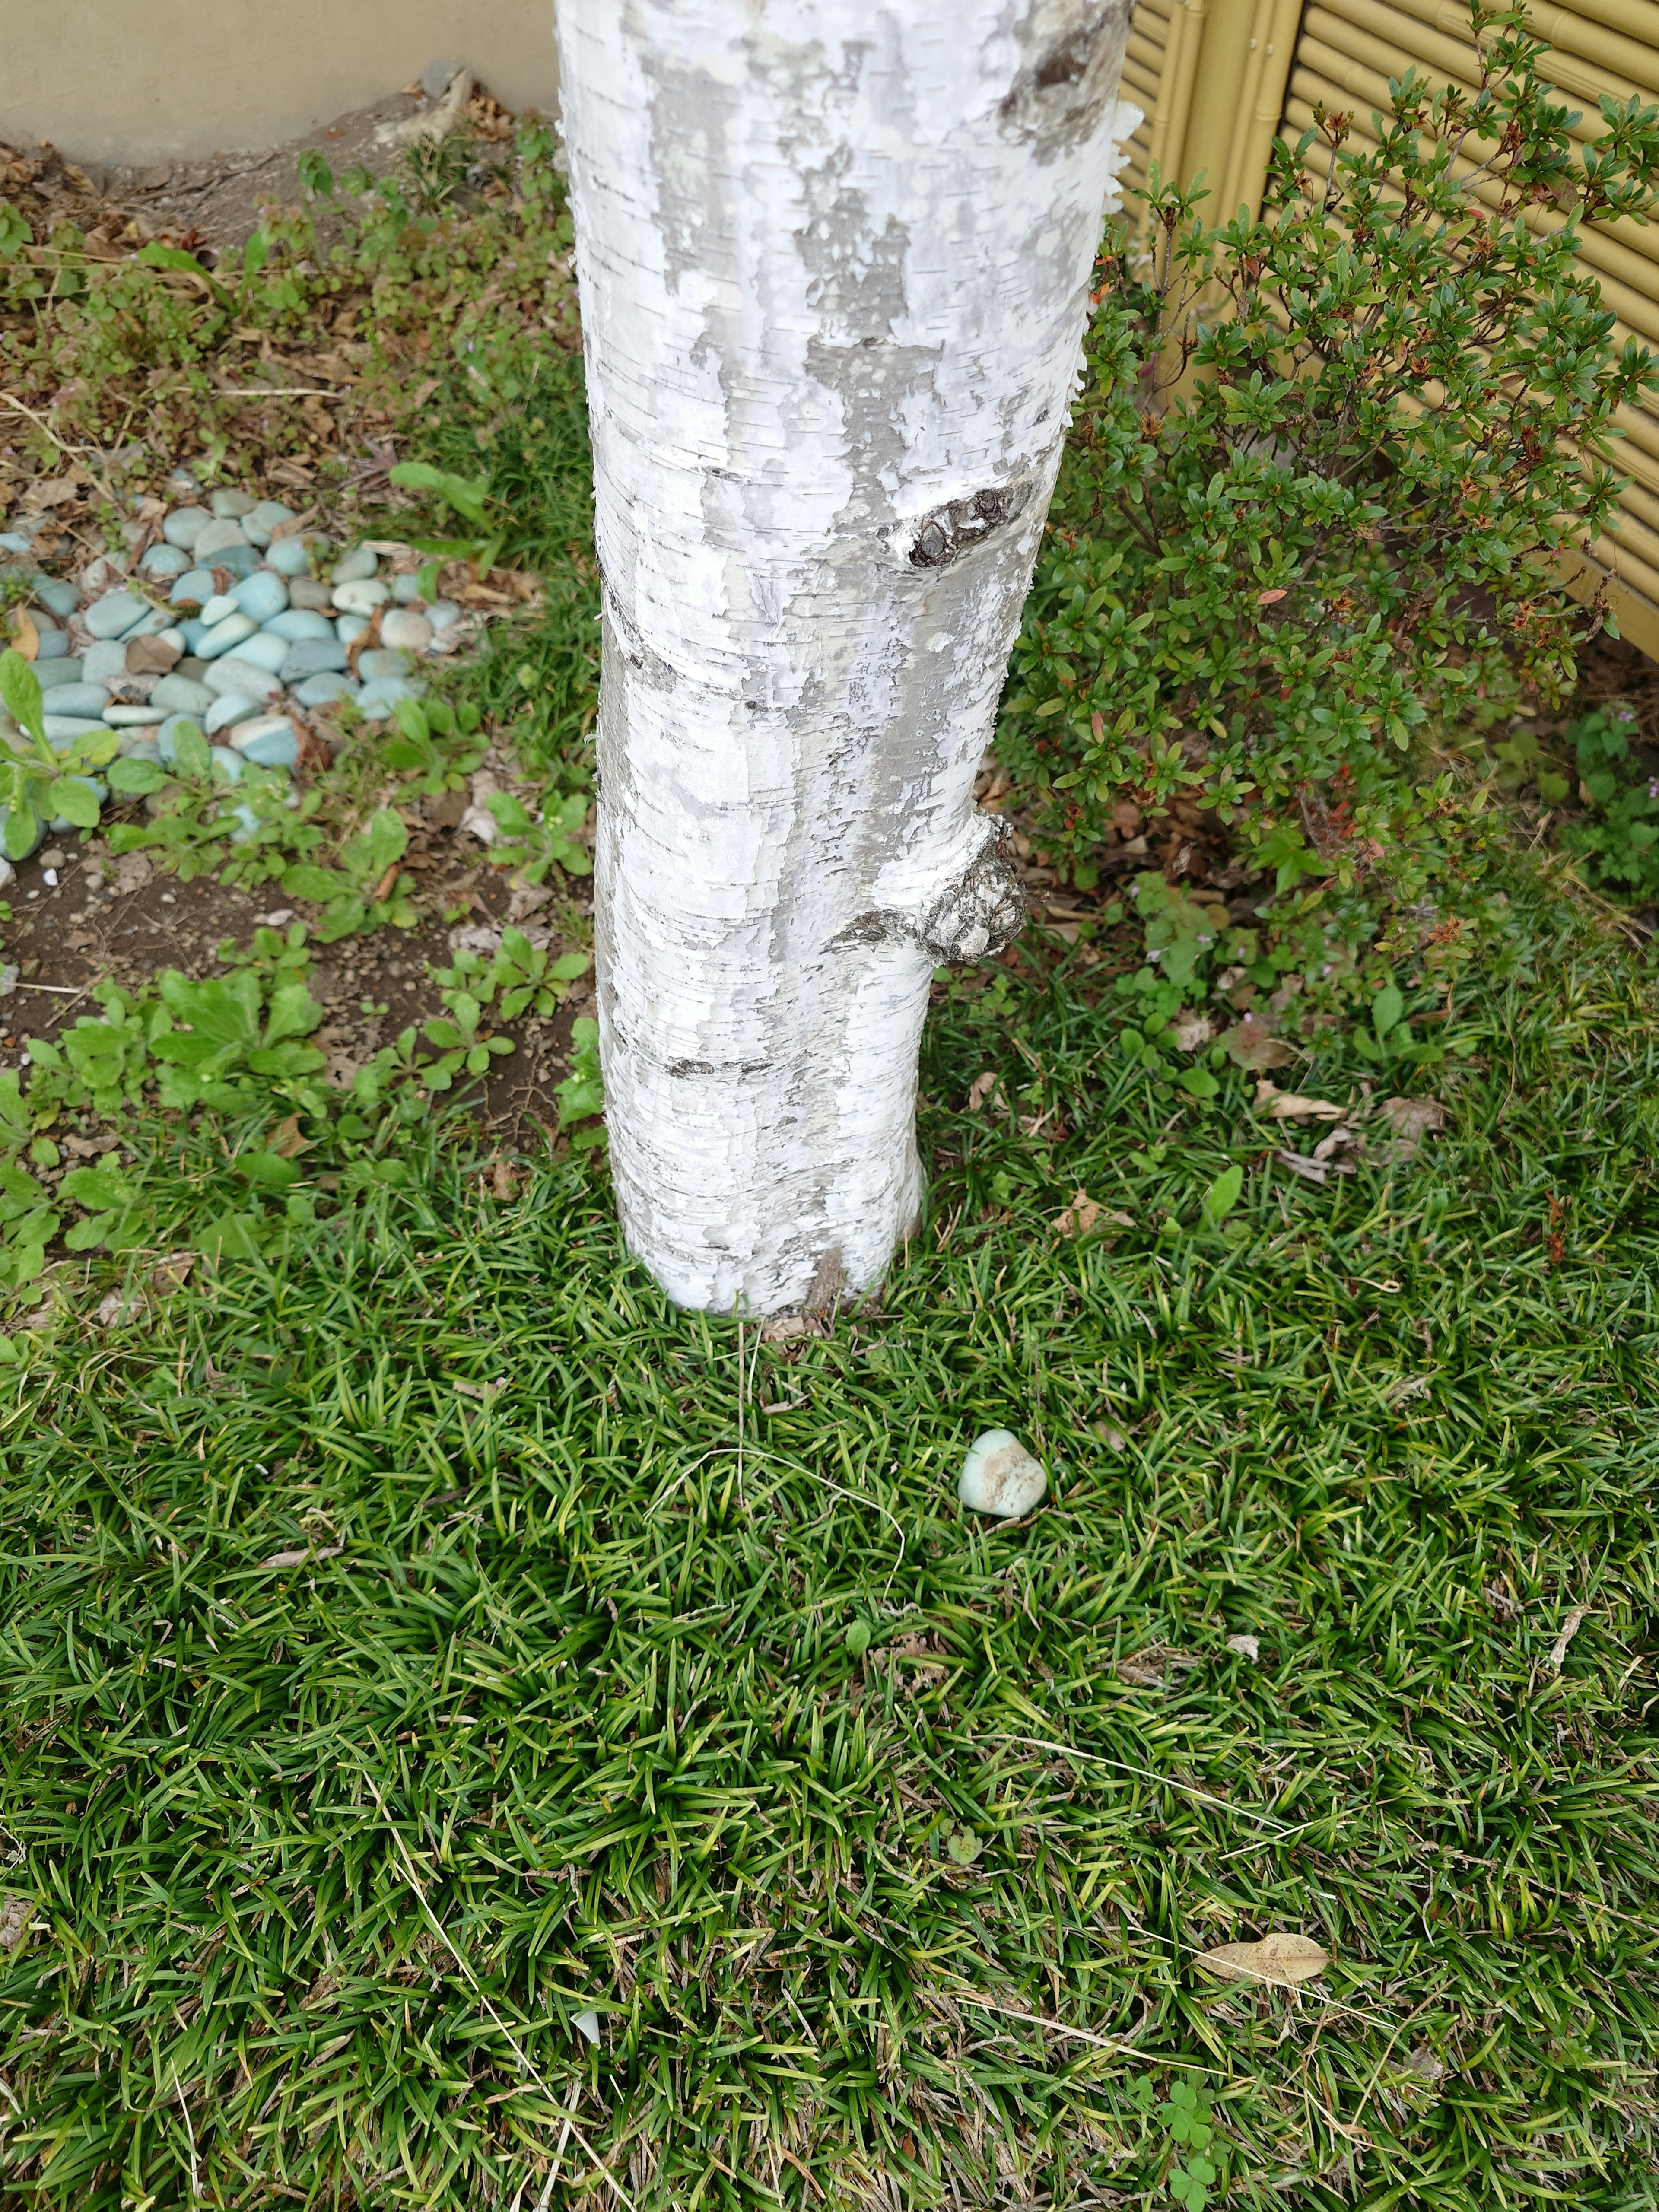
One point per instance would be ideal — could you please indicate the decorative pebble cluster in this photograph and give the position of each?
(227, 623)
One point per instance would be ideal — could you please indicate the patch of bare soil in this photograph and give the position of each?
(122, 920)
(215, 199)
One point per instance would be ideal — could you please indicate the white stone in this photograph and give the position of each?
(404, 627)
(999, 1477)
(360, 595)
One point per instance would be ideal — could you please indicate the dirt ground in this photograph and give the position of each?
(122, 921)
(215, 199)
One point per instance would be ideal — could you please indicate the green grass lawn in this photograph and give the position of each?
(638, 1672)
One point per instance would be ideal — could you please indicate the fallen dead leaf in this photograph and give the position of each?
(783, 1329)
(1251, 1043)
(1078, 1218)
(1192, 1032)
(1112, 1437)
(117, 1308)
(172, 1271)
(299, 1558)
(133, 872)
(25, 637)
(979, 1090)
(1151, 1669)
(1271, 599)
(1424, 2064)
(1282, 1960)
(1248, 1647)
(1570, 1628)
(1409, 1386)
(1338, 1141)
(1411, 1120)
(1311, 1170)
(14, 1923)
(51, 491)
(151, 656)
(503, 1180)
(1290, 1105)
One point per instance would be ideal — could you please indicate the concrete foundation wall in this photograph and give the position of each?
(141, 81)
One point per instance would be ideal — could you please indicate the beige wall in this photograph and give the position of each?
(140, 81)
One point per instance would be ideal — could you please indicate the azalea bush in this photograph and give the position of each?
(1319, 509)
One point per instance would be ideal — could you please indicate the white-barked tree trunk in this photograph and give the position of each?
(834, 258)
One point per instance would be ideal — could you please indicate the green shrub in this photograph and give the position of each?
(1325, 480)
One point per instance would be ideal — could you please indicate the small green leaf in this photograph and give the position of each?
(1223, 1194)
(20, 694)
(1386, 1009)
(136, 778)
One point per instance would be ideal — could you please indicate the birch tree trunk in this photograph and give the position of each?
(834, 258)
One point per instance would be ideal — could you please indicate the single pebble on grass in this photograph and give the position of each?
(999, 1477)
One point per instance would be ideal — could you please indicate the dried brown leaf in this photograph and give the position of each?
(1290, 1105)
(979, 1090)
(1251, 1043)
(299, 1558)
(1570, 1628)
(25, 637)
(1282, 1960)
(1078, 1218)
(151, 656)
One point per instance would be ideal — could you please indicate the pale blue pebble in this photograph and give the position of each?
(230, 505)
(81, 698)
(249, 820)
(116, 615)
(181, 694)
(224, 764)
(220, 608)
(406, 590)
(262, 650)
(60, 594)
(134, 718)
(193, 631)
(218, 638)
(62, 729)
(273, 748)
(261, 595)
(54, 645)
(185, 526)
(323, 689)
(55, 674)
(152, 626)
(13, 541)
(349, 628)
(105, 660)
(229, 709)
(141, 744)
(354, 566)
(193, 588)
(312, 656)
(235, 674)
(164, 561)
(260, 521)
(223, 534)
(381, 661)
(377, 702)
(291, 556)
(295, 622)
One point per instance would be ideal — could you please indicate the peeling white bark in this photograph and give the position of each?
(834, 258)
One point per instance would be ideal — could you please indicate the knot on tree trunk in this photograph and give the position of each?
(983, 911)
